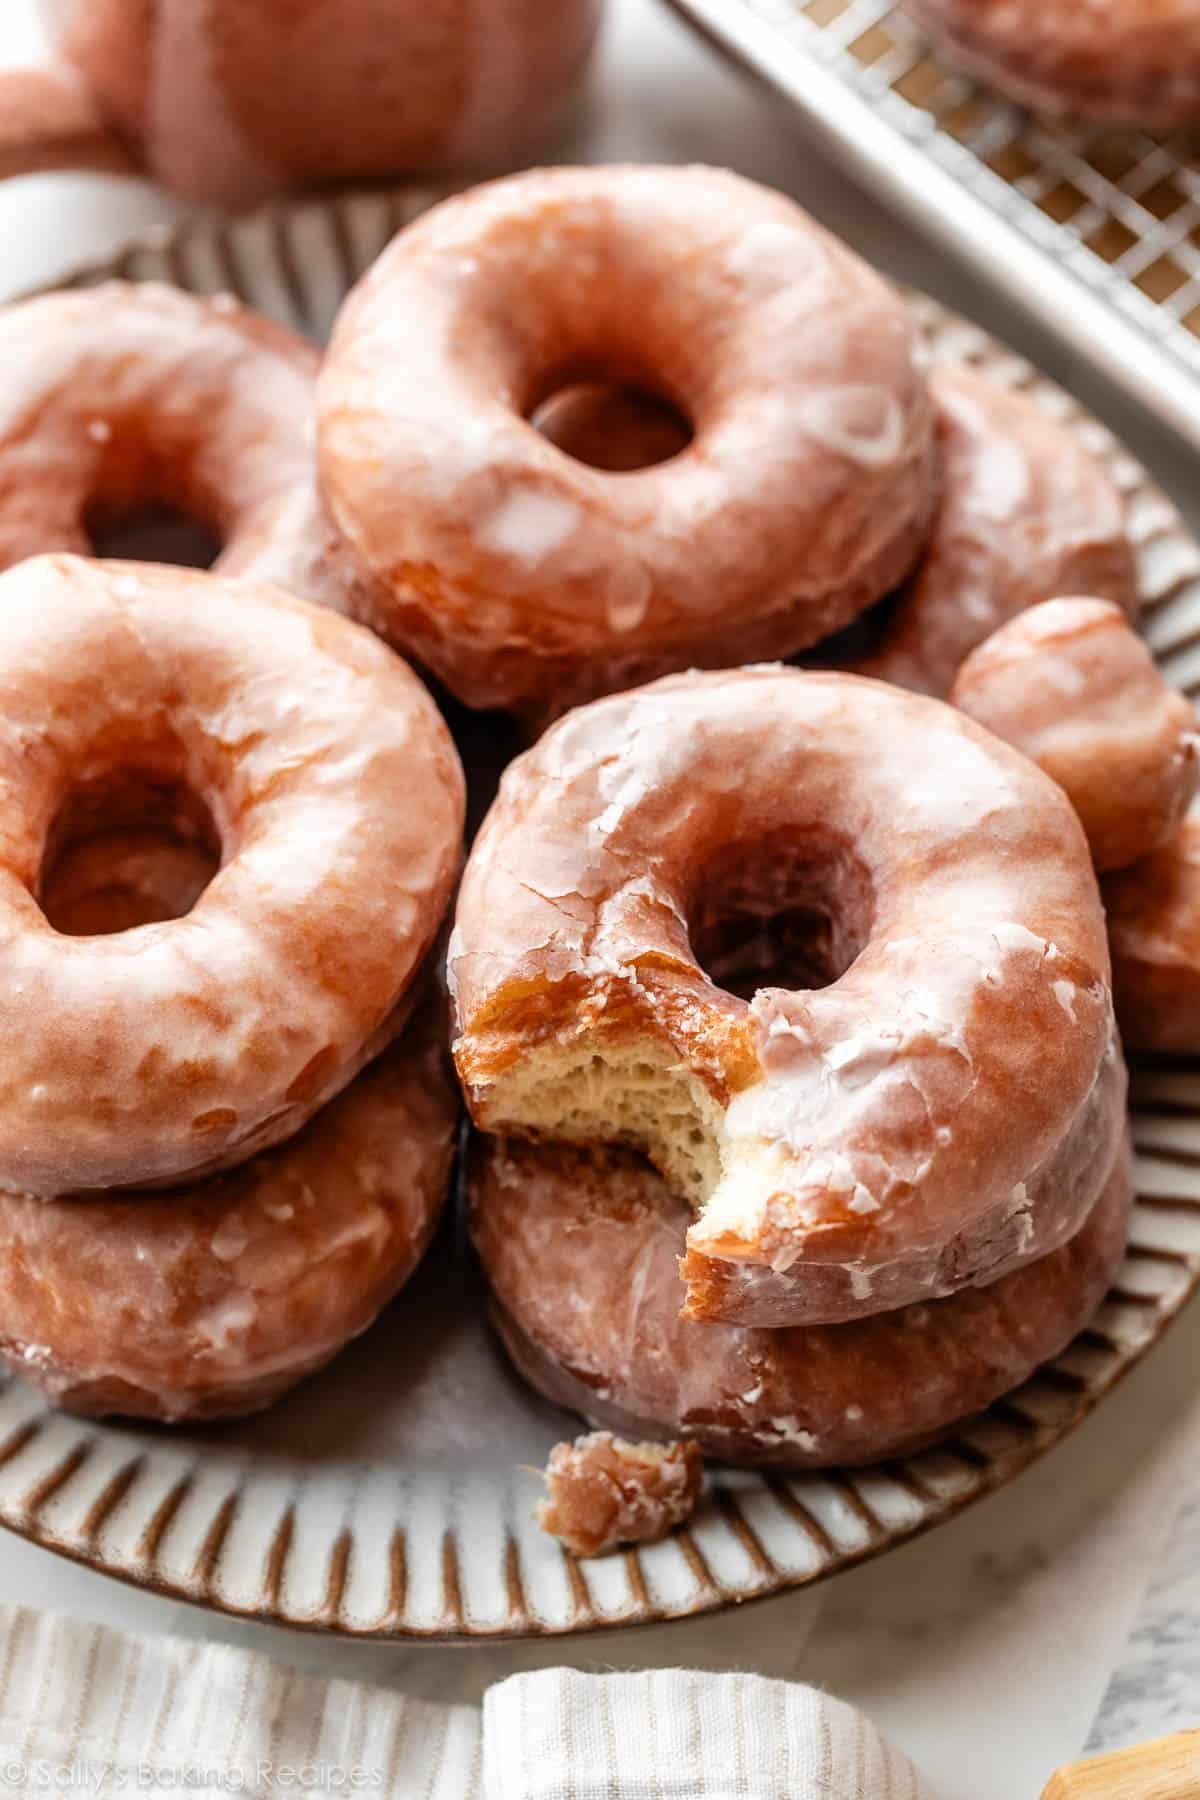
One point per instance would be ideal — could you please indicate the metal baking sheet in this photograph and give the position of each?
(1093, 232)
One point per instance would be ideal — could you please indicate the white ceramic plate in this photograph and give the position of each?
(391, 1497)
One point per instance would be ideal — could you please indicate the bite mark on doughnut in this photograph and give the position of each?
(829, 1132)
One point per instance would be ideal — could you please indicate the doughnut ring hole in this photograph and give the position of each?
(612, 426)
(159, 532)
(130, 848)
(149, 502)
(791, 910)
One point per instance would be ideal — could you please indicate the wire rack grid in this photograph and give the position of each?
(1095, 230)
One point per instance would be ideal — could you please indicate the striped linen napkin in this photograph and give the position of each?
(85, 1710)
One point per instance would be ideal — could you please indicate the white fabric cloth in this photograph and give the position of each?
(89, 1711)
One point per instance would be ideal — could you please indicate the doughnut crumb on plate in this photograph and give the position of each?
(605, 1491)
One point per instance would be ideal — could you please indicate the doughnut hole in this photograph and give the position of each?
(130, 848)
(611, 426)
(157, 532)
(793, 911)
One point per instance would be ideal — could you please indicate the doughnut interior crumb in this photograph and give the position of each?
(604, 1491)
(629, 1094)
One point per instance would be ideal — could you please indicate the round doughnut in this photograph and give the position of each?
(1134, 62)
(212, 1300)
(227, 102)
(130, 396)
(1074, 688)
(1026, 514)
(600, 1227)
(932, 1098)
(527, 580)
(184, 1047)
(1154, 930)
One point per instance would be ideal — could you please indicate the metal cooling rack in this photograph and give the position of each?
(1094, 232)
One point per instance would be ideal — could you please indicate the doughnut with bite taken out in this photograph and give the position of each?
(931, 1096)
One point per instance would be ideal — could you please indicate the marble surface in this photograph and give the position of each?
(1153, 1690)
(984, 1648)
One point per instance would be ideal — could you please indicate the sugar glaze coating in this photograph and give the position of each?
(944, 1110)
(1154, 929)
(212, 1300)
(166, 1052)
(599, 1225)
(227, 103)
(526, 580)
(135, 393)
(1074, 688)
(1026, 513)
(1135, 62)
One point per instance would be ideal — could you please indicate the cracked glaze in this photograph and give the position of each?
(1073, 686)
(134, 394)
(1026, 514)
(165, 1051)
(879, 1139)
(213, 1300)
(525, 579)
(580, 1248)
(1135, 62)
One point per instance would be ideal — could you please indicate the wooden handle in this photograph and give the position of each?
(49, 120)
(1167, 1769)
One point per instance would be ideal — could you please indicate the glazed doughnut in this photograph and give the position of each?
(948, 1106)
(600, 1227)
(213, 1300)
(131, 395)
(227, 102)
(1026, 514)
(1134, 62)
(526, 580)
(1154, 931)
(182, 1048)
(1074, 688)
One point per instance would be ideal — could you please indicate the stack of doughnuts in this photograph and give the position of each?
(782, 995)
(226, 1122)
(764, 1204)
